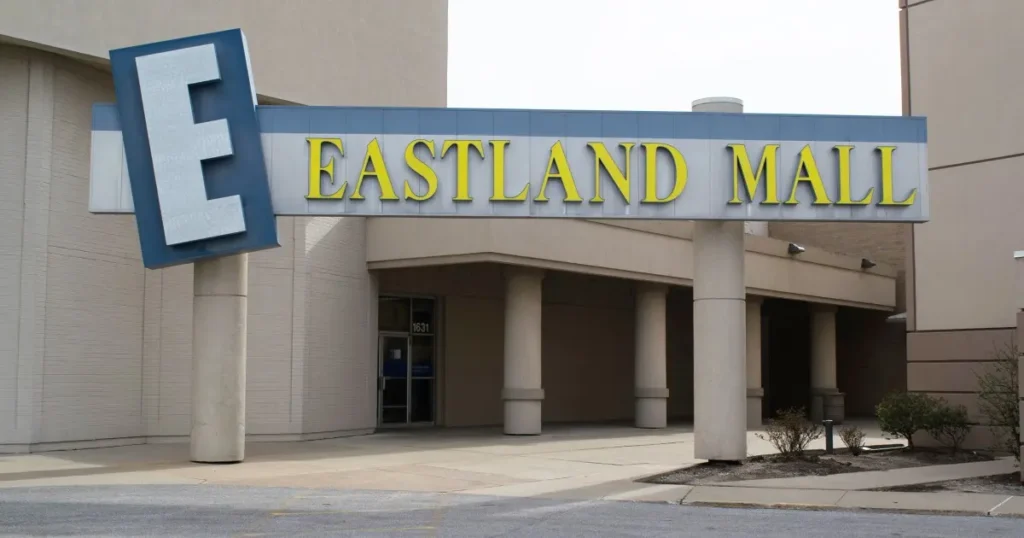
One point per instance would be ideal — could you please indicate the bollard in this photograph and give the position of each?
(828, 436)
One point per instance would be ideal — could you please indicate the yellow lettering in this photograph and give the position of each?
(741, 165)
(844, 180)
(807, 172)
(317, 169)
(887, 195)
(380, 171)
(422, 169)
(462, 166)
(651, 152)
(498, 150)
(603, 159)
(564, 174)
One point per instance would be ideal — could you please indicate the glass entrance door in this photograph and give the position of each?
(394, 379)
(406, 358)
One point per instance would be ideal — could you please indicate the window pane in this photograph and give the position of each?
(393, 314)
(422, 400)
(423, 356)
(394, 392)
(422, 316)
(394, 362)
(392, 415)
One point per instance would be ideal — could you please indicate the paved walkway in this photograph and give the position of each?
(568, 463)
(443, 460)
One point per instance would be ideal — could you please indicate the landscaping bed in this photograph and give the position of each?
(1003, 484)
(812, 463)
(901, 415)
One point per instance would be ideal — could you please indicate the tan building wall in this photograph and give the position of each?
(660, 253)
(962, 274)
(95, 348)
(317, 52)
(881, 242)
(72, 284)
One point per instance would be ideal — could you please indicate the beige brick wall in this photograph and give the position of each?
(340, 336)
(14, 74)
(92, 367)
(167, 351)
(74, 281)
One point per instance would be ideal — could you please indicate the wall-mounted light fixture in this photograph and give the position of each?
(866, 263)
(795, 249)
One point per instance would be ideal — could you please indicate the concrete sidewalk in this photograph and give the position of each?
(566, 462)
(473, 460)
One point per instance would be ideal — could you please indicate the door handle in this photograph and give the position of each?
(382, 383)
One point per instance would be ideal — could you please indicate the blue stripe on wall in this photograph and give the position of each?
(556, 123)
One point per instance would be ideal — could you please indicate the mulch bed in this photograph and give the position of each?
(1003, 484)
(813, 463)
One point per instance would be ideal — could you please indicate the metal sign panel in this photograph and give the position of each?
(190, 149)
(206, 171)
(495, 163)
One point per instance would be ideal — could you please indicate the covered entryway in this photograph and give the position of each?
(587, 348)
(443, 347)
(814, 353)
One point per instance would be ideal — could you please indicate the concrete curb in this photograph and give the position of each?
(936, 503)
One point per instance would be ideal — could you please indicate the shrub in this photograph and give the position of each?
(949, 426)
(999, 399)
(853, 438)
(903, 414)
(790, 432)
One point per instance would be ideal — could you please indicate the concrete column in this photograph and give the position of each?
(650, 377)
(523, 394)
(719, 330)
(218, 359)
(826, 400)
(755, 392)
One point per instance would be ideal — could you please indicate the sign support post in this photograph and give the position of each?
(195, 173)
(219, 311)
(719, 329)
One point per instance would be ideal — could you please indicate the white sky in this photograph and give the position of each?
(780, 56)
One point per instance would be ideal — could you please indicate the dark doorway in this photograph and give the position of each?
(785, 355)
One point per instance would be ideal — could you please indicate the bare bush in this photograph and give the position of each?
(853, 438)
(999, 399)
(790, 432)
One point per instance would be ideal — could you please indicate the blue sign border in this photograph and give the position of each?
(243, 173)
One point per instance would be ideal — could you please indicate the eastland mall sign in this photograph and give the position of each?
(206, 171)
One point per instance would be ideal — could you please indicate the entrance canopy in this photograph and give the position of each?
(428, 162)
